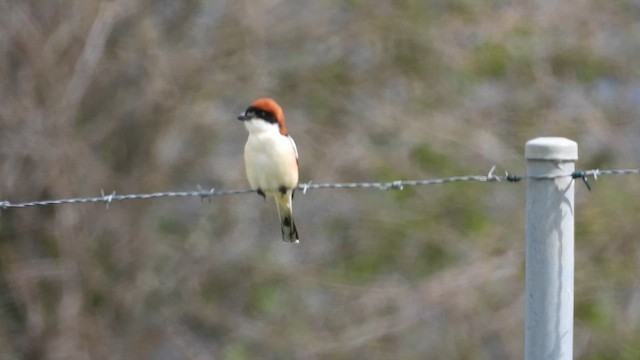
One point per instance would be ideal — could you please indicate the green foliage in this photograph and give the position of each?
(431, 258)
(172, 226)
(491, 60)
(237, 352)
(581, 64)
(592, 313)
(267, 298)
(432, 161)
(141, 96)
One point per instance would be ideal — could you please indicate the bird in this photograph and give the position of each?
(271, 160)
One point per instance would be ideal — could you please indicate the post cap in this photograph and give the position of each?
(551, 148)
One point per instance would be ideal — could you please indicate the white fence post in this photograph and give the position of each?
(549, 249)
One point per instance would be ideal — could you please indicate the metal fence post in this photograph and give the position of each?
(549, 249)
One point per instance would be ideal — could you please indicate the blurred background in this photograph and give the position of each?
(138, 96)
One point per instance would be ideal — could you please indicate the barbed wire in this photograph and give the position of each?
(392, 185)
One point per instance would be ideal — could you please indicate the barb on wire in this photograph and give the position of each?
(108, 199)
(585, 179)
(400, 184)
(209, 193)
(598, 172)
(584, 175)
(393, 185)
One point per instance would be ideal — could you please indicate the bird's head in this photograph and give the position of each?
(266, 110)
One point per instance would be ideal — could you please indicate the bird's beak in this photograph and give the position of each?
(243, 116)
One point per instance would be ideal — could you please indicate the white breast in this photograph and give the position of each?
(270, 157)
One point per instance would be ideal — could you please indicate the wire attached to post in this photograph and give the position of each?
(584, 176)
(304, 187)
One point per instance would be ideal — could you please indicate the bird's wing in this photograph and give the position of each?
(295, 148)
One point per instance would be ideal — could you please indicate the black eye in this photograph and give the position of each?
(267, 116)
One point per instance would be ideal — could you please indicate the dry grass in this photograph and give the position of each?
(140, 96)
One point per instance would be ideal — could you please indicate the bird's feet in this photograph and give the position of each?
(261, 193)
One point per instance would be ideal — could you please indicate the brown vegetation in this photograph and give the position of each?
(141, 96)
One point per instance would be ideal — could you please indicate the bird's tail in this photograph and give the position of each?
(285, 211)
